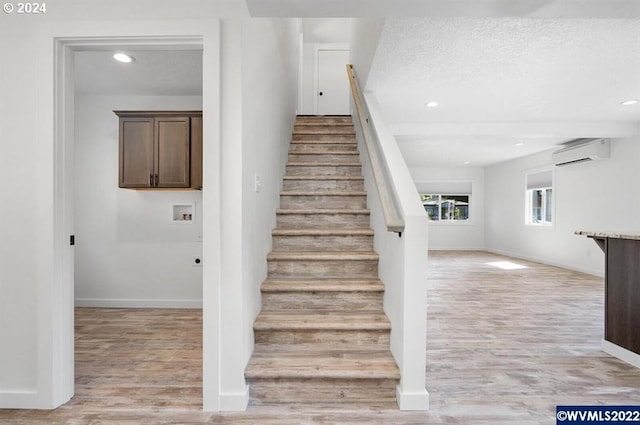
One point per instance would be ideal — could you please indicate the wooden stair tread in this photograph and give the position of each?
(321, 211)
(324, 118)
(307, 123)
(325, 122)
(322, 232)
(324, 364)
(324, 193)
(324, 142)
(330, 130)
(322, 255)
(324, 164)
(331, 121)
(322, 285)
(324, 152)
(325, 320)
(316, 177)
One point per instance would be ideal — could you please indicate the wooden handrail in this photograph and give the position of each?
(392, 212)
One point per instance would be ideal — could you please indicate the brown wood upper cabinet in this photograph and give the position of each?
(160, 149)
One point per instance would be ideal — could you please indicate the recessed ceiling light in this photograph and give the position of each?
(431, 104)
(467, 163)
(629, 102)
(123, 57)
(519, 144)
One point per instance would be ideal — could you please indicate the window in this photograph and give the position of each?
(446, 207)
(539, 198)
(446, 201)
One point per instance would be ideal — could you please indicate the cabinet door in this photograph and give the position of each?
(196, 152)
(172, 153)
(136, 152)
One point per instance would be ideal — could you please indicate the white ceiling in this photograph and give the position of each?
(326, 30)
(153, 73)
(502, 81)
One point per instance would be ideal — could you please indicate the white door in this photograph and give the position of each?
(332, 95)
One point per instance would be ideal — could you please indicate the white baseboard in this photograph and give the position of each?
(417, 401)
(140, 303)
(234, 402)
(19, 400)
(621, 353)
(546, 261)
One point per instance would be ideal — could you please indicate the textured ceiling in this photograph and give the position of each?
(153, 73)
(531, 81)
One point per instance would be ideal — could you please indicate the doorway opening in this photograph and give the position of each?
(85, 130)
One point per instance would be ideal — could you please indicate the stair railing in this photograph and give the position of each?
(388, 197)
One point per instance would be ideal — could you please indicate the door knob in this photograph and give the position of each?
(320, 93)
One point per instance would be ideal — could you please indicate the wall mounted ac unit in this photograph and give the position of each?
(581, 150)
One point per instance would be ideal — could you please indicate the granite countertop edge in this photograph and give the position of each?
(635, 235)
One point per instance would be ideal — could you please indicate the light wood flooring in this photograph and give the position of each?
(504, 347)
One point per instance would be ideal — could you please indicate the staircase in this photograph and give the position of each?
(322, 336)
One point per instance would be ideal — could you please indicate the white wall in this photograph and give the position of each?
(19, 213)
(365, 35)
(602, 195)
(467, 235)
(308, 95)
(269, 105)
(265, 77)
(36, 330)
(128, 251)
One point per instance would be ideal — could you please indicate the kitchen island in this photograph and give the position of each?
(622, 293)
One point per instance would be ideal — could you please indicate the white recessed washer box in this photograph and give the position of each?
(184, 213)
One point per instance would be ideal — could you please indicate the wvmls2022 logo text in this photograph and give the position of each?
(594, 415)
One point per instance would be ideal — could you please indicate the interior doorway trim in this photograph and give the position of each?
(55, 317)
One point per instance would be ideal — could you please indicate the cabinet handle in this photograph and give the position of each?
(157, 180)
(151, 179)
